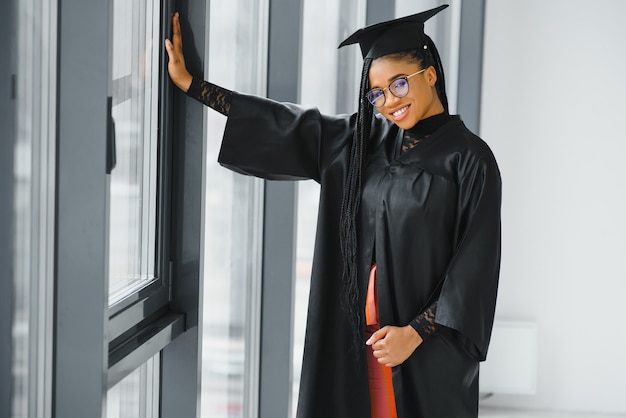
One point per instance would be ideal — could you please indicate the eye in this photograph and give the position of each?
(374, 94)
(377, 93)
(399, 84)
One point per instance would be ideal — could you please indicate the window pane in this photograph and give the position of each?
(137, 395)
(233, 223)
(34, 195)
(133, 180)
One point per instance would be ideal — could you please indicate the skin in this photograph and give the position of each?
(391, 345)
(176, 61)
(421, 102)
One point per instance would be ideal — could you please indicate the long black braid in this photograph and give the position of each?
(350, 208)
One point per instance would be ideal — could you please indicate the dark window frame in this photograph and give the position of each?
(145, 317)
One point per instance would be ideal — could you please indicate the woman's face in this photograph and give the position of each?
(420, 102)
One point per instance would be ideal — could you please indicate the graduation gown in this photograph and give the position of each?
(429, 216)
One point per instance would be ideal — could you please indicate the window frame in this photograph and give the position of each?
(96, 345)
(148, 309)
(151, 298)
(7, 252)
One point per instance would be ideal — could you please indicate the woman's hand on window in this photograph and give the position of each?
(176, 64)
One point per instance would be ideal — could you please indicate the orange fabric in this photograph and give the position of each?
(382, 399)
(371, 310)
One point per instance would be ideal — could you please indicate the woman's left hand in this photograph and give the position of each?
(393, 345)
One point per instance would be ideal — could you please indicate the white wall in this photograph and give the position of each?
(554, 102)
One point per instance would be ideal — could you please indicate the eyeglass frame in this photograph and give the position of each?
(405, 78)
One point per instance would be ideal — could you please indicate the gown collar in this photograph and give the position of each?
(422, 130)
(429, 125)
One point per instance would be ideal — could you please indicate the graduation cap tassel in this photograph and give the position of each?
(349, 210)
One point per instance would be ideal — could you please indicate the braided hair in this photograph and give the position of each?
(350, 208)
(440, 85)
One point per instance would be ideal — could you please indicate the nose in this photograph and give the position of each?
(390, 98)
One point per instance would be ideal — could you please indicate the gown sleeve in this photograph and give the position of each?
(282, 141)
(211, 95)
(468, 296)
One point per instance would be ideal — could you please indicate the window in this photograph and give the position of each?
(137, 395)
(233, 218)
(33, 197)
(133, 198)
(138, 259)
(137, 263)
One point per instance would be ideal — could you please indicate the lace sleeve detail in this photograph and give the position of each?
(425, 324)
(216, 97)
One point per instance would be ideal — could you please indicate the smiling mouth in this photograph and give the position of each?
(400, 112)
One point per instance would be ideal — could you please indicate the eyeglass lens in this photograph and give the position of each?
(398, 87)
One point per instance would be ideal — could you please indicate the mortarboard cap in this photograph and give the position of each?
(394, 35)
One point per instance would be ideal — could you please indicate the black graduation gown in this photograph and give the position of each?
(432, 218)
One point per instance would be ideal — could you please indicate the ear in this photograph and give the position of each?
(430, 75)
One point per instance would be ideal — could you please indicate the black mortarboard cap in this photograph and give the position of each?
(394, 35)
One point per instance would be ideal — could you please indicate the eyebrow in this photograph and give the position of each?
(396, 76)
(389, 80)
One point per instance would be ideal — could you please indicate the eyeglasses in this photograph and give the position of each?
(398, 87)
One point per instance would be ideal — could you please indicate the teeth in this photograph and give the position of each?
(399, 112)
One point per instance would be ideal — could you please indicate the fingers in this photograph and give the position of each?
(169, 48)
(384, 357)
(176, 61)
(173, 57)
(176, 44)
(174, 47)
(393, 345)
(378, 335)
(379, 347)
(387, 363)
(176, 36)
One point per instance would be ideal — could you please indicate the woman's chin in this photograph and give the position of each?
(406, 123)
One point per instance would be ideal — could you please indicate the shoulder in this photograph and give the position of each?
(466, 145)
(465, 154)
(467, 142)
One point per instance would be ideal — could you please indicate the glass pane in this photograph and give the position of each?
(135, 53)
(137, 395)
(33, 210)
(233, 223)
